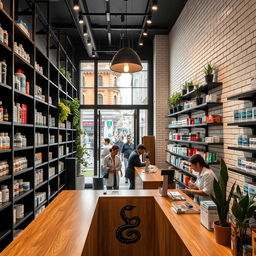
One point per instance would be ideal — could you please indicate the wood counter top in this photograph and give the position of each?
(62, 229)
(149, 176)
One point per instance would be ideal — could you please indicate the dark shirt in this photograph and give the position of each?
(134, 161)
(119, 144)
(127, 149)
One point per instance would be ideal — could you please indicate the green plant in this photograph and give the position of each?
(190, 84)
(65, 73)
(81, 151)
(220, 197)
(197, 91)
(243, 209)
(178, 98)
(208, 70)
(64, 112)
(170, 102)
(185, 86)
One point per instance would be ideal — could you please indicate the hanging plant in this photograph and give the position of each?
(81, 151)
(64, 112)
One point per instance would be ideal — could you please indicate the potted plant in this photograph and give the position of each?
(208, 71)
(215, 74)
(184, 88)
(222, 229)
(178, 99)
(190, 86)
(170, 104)
(243, 210)
(199, 99)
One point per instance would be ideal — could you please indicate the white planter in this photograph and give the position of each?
(80, 181)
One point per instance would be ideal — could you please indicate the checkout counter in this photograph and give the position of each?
(89, 223)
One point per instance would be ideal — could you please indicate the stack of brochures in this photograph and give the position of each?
(181, 208)
(174, 195)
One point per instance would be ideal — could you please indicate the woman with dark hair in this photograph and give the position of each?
(112, 166)
(203, 187)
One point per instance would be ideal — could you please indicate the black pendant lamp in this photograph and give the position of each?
(126, 60)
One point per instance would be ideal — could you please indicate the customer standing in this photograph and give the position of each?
(119, 142)
(127, 149)
(112, 166)
(134, 161)
(203, 187)
(104, 152)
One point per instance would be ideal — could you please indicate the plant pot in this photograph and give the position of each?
(222, 234)
(179, 108)
(199, 101)
(80, 182)
(190, 88)
(175, 109)
(184, 91)
(208, 78)
(171, 110)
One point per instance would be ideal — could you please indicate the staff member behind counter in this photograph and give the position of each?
(203, 187)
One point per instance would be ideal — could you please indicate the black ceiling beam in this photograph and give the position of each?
(114, 14)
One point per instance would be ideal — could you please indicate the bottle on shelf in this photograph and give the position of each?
(6, 115)
(1, 34)
(3, 71)
(21, 85)
(5, 194)
(1, 112)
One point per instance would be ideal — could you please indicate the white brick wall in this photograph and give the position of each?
(161, 94)
(223, 33)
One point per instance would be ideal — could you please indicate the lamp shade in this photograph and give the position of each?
(126, 60)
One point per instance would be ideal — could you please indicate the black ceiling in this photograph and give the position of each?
(163, 19)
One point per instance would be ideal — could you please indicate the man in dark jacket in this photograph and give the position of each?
(134, 161)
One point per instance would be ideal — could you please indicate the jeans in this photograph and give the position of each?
(125, 166)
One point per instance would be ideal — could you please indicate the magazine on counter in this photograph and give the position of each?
(181, 208)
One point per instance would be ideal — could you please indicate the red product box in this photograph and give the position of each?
(213, 119)
(24, 115)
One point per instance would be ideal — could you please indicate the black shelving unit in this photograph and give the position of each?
(203, 107)
(46, 49)
(249, 96)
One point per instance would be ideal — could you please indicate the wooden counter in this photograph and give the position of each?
(82, 223)
(149, 180)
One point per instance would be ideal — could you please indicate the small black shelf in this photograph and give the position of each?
(6, 177)
(41, 127)
(242, 172)
(62, 172)
(5, 123)
(41, 184)
(20, 60)
(40, 165)
(181, 183)
(41, 101)
(5, 46)
(53, 194)
(19, 32)
(195, 142)
(246, 149)
(24, 148)
(20, 221)
(62, 143)
(54, 144)
(53, 160)
(23, 171)
(41, 146)
(22, 195)
(60, 157)
(52, 106)
(23, 125)
(4, 234)
(193, 125)
(61, 187)
(203, 106)
(42, 75)
(5, 86)
(179, 155)
(40, 205)
(249, 95)
(23, 94)
(203, 88)
(4, 206)
(53, 177)
(5, 151)
(243, 124)
(53, 128)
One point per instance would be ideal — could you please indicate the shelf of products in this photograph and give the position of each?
(195, 142)
(242, 172)
(246, 149)
(30, 80)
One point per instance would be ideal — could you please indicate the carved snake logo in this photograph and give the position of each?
(133, 235)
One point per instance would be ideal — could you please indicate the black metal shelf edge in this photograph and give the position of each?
(61, 187)
(6, 177)
(23, 94)
(53, 177)
(241, 171)
(4, 234)
(53, 194)
(5, 46)
(22, 33)
(179, 155)
(61, 172)
(246, 149)
(42, 75)
(41, 184)
(53, 160)
(41, 146)
(23, 125)
(42, 164)
(181, 183)
(197, 108)
(6, 86)
(23, 171)
(26, 216)
(183, 171)
(40, 205)
(243, 124)
(195, 142)
(24, 148)
(5, 151)
(4, 206)
(249, 95)
(24, 194)
(193, 125)
(53, 144)
(41, 102)
(41, 127)
(20, 59)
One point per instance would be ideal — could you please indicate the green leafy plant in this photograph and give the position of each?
(243, 209)
(197, 91)
(64, 111)
(220, 197)
(208, 70)
(170, 102)
(65, 73)
(81, 151)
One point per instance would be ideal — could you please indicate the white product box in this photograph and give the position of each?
(208, 214)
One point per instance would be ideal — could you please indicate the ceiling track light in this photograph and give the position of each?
(140, 43)
(154, 6)
(93, 54)
(81, 19)
(149, 19)
(145, 31)
(76, 6)
(85, 31)
(89, 42)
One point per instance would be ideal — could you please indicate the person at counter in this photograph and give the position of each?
(134, 161)
(203, 187)
(112, 166)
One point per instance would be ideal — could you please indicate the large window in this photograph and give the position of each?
(115, 88)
